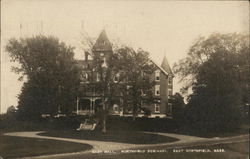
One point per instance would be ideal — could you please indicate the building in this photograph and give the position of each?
(89, 101)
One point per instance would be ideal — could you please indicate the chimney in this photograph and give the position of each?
(86, 55)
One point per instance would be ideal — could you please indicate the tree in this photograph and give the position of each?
(136, 69)
(178, 107)
(215, 68)
(106, 68)
(11, 110)
(104, 65)
(51, 74)
(116, 80)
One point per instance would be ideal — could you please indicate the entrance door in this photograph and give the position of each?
(84, 106)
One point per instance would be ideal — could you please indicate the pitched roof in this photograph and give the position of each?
(102, 43)
(165, 65)
(159, 67)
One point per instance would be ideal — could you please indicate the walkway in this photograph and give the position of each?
(183, 141)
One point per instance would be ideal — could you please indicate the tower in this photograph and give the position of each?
(165, 65)
(102, 46)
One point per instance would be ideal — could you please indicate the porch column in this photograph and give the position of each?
(77, 105)
(93, 106)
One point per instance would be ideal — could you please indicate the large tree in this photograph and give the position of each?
(178, 107)
(136, 71)
(217, 69)
(51, 75)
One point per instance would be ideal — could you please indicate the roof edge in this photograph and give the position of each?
(159, 66)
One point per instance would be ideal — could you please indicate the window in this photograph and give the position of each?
(169, 92)
(129, 87)
(84, 77)
(98, 77)
(116, 78)
(101, 54)
(170, 80)
(104, 64)
(157, 108)
(169, 110)
(115, 108)
(157, 75)
(157, 89)
(143, 92)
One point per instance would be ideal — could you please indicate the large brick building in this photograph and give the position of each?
(89, 102)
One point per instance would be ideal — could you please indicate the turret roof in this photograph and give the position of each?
(165, 65)
(102, 43)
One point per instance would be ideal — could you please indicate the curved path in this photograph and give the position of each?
(183, 141)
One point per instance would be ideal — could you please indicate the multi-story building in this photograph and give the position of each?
(89, 102)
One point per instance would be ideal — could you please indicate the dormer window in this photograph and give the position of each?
(157, 75)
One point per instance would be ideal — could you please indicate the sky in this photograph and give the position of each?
(163, 28)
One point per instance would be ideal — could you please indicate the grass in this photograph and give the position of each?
(132, 137)
(13, 147)
(171, 126)
(241, 130)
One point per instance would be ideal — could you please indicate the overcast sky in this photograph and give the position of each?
(160, 27)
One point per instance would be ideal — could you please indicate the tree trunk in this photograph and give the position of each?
(104, 130)
(133, 117)
(134, 114)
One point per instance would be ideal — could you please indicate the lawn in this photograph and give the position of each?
(132, 137)
(13, 147)
(241, 130)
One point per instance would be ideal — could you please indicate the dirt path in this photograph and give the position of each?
(188, 141)
(183, 141)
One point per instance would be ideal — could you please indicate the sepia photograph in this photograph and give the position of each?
(117, 79)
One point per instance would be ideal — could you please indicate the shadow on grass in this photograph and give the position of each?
(15, 147)
(131, 137)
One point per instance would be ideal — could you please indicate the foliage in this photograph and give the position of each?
(217, 69)
(51, 73)
(202, 49)
(11, 110)
(178, 107)
(136, 70)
